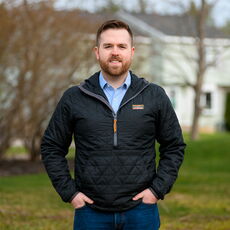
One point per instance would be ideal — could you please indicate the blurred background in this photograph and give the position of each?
(182, 45)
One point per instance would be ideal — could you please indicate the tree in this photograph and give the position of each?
(6, 32)
(48, 51)
(198, 15)
(202, 15)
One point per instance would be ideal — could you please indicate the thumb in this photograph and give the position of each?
(87, 199)
(138, 196)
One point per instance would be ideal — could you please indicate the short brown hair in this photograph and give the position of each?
(113, 24)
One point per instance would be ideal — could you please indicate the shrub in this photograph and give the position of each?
(227, 112)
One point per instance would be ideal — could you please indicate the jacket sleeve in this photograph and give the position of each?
(169, 136)
(54, 148)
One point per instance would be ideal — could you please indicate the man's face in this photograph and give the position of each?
(114, 52)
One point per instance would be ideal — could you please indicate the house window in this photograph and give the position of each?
(207, 100)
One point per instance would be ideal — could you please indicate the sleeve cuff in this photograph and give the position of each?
(154, 193)
(73, 196)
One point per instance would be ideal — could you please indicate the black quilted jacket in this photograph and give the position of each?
(115, 153)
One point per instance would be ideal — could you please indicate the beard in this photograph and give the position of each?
(114, 71)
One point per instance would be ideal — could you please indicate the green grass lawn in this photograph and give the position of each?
(200, 199)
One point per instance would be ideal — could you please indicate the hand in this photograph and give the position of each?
(80, 199)
(146, 196)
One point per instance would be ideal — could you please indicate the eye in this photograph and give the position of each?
(107, 46)
(122, 46)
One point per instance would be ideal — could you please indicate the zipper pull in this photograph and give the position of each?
(115, 125)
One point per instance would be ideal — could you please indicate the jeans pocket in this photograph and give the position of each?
(142, 202)
(80, 207)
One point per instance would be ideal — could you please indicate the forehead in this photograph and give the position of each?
(115, 36)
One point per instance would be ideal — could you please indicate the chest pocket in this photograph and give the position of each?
(137, 123)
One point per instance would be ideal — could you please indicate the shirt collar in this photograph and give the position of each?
(103, 83)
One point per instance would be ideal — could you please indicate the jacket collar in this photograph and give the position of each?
(92, 84)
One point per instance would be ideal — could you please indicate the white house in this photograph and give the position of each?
(166, 44)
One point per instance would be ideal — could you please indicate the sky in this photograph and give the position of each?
(221, 12)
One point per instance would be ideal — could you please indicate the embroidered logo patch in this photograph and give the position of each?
(138, 106)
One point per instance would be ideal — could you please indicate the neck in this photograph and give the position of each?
(115, 81)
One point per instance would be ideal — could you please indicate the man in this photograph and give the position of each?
(115, 118)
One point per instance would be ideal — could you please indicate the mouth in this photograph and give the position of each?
(115, 61)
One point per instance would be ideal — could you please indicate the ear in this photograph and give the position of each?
(96, 51)
(132, 51)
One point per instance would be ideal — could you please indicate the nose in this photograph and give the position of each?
(115, 51)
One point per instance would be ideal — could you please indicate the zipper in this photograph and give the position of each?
(102, 99)
(114, 129)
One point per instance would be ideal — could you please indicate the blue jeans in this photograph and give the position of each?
(141, 217)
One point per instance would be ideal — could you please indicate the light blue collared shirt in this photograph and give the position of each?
(114, 96)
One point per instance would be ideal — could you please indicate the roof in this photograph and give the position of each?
(178, 25)
(152, 24)
(98, 18)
